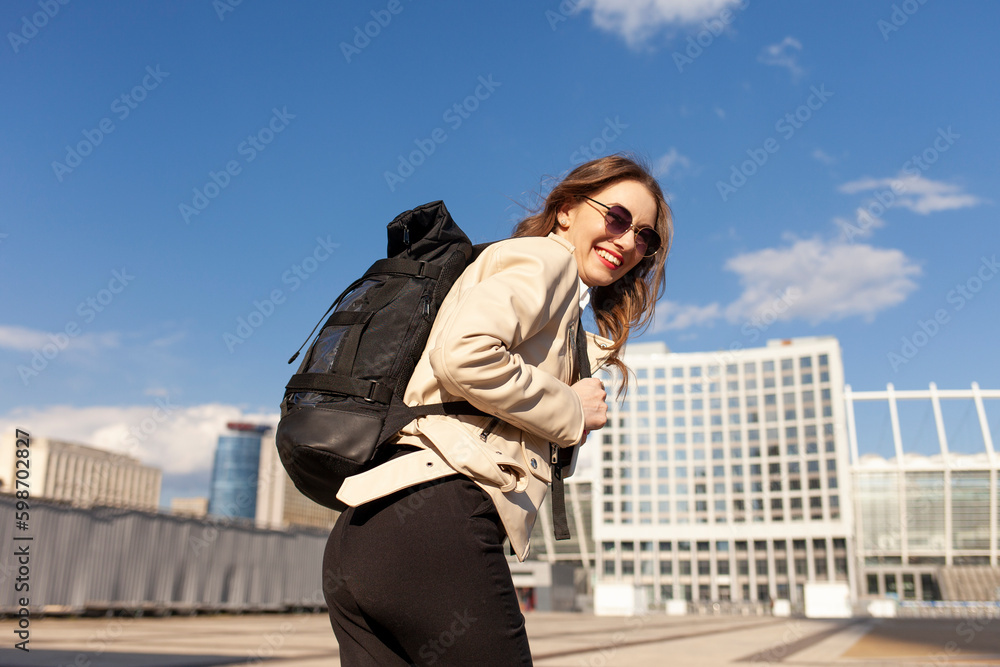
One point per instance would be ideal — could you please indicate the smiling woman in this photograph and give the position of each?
(506, 340)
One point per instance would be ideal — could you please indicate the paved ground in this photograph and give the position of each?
(557, 640)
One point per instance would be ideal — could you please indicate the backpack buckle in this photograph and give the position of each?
(371, 392)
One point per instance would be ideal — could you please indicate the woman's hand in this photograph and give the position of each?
(595, 410)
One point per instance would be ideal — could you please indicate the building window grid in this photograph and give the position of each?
(783, 458)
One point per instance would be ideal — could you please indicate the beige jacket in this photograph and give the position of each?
(503, 340)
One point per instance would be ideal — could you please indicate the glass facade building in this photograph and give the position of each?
(234, 472)
(922, 518)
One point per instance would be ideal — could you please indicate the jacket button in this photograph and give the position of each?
(534, 463)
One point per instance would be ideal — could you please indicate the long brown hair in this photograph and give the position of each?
(627, 304)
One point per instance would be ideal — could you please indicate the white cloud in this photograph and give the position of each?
(638, 20)
(820, 156)
(863, 226)
(22, 339)
(783, 54)
(819, 281)
(720, 112)
(173, 438)
(667, 162)
(674, 316)
(919, 194)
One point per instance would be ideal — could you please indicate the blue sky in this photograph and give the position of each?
(170, 168)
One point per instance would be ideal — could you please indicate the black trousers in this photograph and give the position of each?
(420, 578)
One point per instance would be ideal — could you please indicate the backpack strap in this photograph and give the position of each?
(562, 456)
(405, 267)
(340, 384)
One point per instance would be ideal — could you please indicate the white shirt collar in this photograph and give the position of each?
(584, 295)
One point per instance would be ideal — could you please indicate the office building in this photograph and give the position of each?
(233, 492)
(196, 508)
(724, 476)
(80, 475)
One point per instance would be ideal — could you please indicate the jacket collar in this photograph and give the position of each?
(563, 242)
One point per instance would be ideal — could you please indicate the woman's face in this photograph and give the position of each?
(601, 257)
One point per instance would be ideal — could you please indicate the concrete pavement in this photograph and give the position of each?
(557, 640)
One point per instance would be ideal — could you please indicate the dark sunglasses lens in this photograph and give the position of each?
(649, 240)
(618, 220)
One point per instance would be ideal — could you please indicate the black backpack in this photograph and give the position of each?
(346, 400)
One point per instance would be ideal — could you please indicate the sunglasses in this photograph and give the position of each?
(618, 220)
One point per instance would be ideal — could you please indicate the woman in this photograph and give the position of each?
(415, 568)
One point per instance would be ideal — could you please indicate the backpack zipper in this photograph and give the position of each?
(489, 429)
